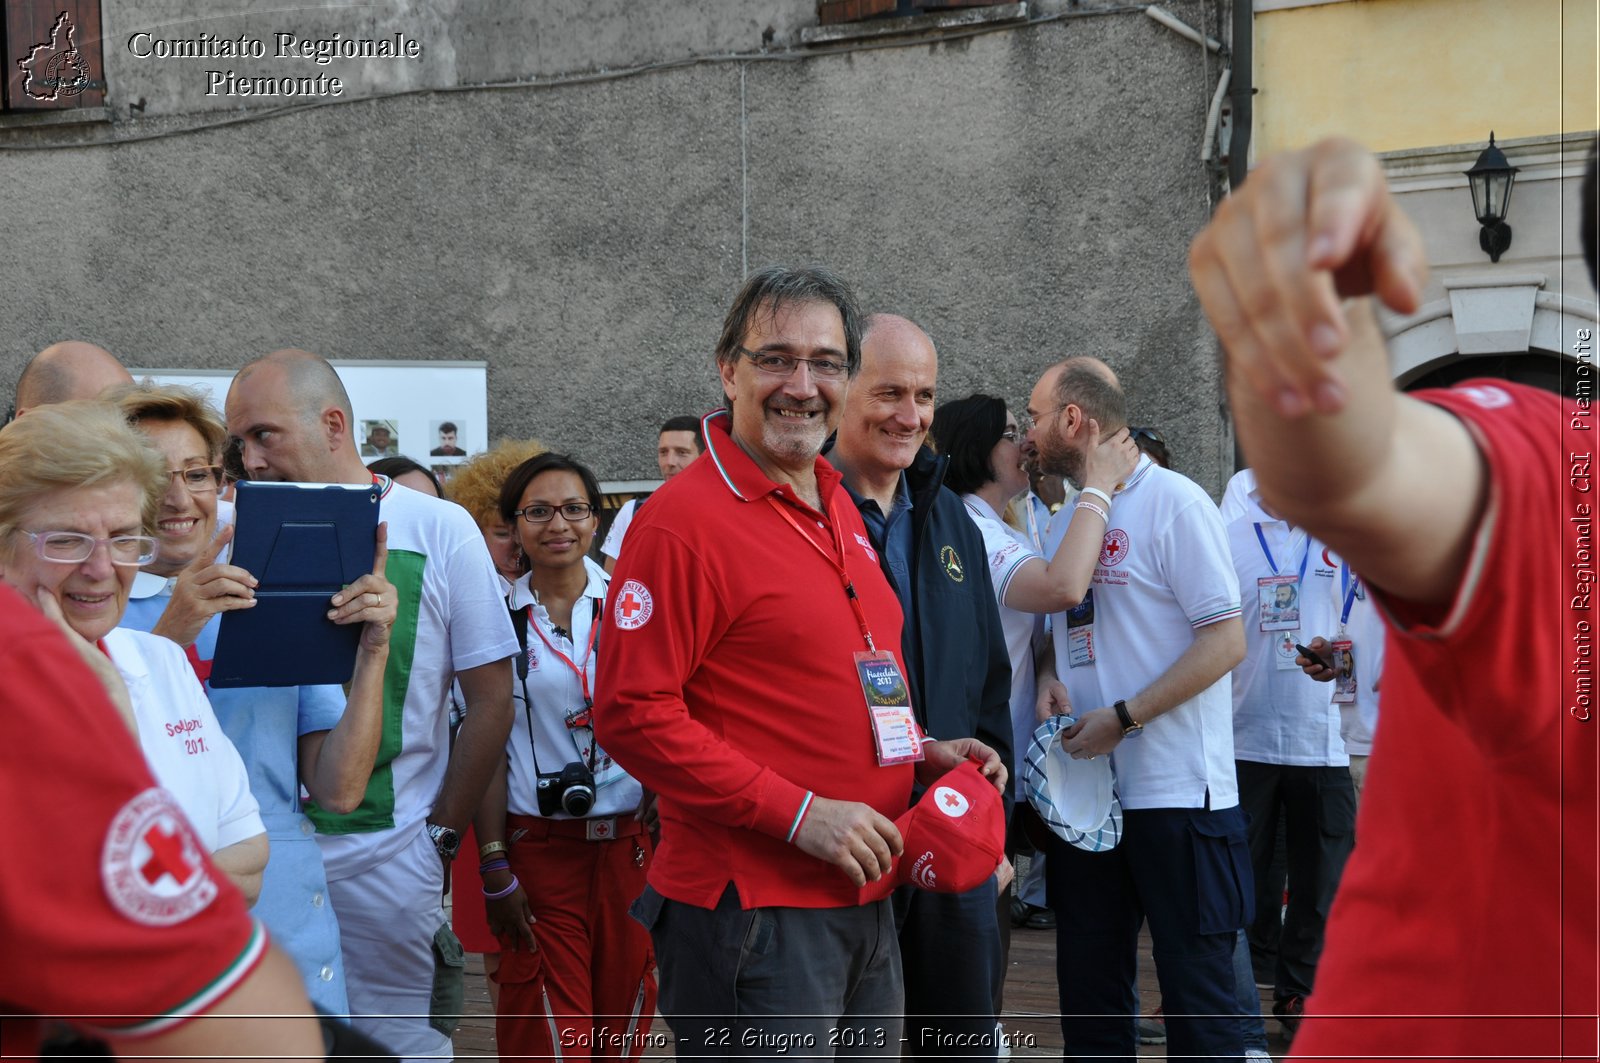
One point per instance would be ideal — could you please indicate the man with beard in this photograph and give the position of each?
(1143, 664)
(732, 687)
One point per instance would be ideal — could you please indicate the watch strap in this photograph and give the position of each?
(1129, 725)
(444, 839)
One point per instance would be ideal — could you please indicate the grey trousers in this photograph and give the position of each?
(800, 983)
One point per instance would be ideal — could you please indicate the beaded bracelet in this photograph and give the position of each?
(508, 891)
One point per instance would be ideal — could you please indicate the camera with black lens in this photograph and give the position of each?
(570, 790)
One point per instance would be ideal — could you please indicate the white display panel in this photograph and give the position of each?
(400, 407)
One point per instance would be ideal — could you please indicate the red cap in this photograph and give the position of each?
(955, 836)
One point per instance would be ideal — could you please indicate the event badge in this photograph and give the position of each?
(1344, 668)
(894, 725)
(1280, 602)
(1080, 632)
(1286, 652)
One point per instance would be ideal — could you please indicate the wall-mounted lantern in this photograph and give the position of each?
(1491, 178)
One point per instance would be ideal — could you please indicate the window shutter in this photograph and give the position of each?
(53, 57)
(832, 12)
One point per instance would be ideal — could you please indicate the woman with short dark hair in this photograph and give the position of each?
(565, 831)
(988, 469)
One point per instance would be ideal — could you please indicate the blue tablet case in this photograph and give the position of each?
(303, 542)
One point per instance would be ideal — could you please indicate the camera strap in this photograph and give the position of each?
(581, 671)
(519, 624)
(521, 620)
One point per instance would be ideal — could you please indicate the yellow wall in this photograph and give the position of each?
(1417, 73)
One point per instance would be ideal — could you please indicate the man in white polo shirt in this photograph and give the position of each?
(1292, 763)
(1143, 664)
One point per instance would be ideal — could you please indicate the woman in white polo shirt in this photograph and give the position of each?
(79, 492)
(566, 852)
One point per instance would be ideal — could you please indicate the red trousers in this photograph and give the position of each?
(589, 990)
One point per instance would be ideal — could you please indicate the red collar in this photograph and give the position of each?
(743, 476)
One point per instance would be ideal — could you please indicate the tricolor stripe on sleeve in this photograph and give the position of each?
(219, 987)
(1212, 618)
(1004, 585)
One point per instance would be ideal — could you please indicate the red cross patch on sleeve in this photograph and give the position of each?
(152, 866)
(632, 607)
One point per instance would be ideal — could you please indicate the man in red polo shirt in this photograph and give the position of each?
(746, 623)
(1465, 924)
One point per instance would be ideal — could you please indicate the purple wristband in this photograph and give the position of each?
(508, 891)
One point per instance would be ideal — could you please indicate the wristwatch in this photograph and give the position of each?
(446, 840)
(1129, 724)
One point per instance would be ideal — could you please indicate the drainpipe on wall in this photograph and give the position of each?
(1242, 90)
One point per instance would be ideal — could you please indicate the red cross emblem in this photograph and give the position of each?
(150, 866)
(633, 606)
(1114, 549)
(166, 857)
(951, 802)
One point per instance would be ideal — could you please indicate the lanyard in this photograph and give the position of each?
(1033, 524)
(581, 673)
(837, 563)
(1349, 583)
(1262, 539)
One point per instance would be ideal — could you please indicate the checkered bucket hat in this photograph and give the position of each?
(1077, 799)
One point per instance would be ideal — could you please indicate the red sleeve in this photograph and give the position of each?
(1506, 608)
(107, 891)
(641, 715)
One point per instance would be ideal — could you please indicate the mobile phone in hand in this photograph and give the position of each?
(1312, 657)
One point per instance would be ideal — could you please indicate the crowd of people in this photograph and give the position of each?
(680, 769)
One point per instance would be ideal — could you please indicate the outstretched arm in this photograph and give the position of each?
(1335, 447)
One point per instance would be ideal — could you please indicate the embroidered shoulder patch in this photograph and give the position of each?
(152, 866)
(633, 606)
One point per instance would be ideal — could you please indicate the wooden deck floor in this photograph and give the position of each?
(1029, 1014)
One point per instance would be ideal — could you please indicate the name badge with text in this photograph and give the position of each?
(894, 725)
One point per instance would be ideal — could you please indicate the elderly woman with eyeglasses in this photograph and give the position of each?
(79, 491)
(316, 736)
(565, 831)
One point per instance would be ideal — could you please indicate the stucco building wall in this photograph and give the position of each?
(1025, 194)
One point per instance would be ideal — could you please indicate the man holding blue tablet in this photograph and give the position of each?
(385, 860)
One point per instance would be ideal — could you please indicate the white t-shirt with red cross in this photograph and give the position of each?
(1164, 571)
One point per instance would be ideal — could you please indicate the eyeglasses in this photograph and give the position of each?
(1012, 435)
(199, 479)
(1147, 433)
(1027, 422)
(545, 514)
(74, 548)
(784, 365)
